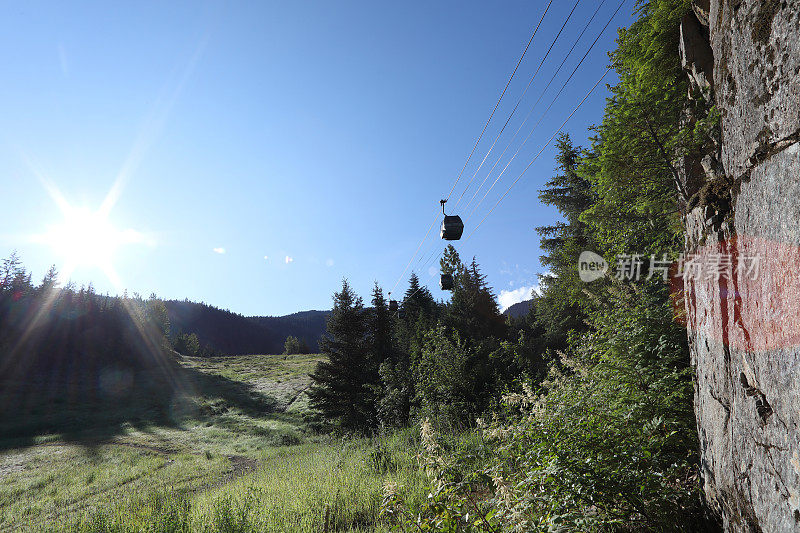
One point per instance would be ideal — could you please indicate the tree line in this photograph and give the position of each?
(444, 360)
(46, 321)
(66, 347)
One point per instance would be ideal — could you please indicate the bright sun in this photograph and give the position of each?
(85, 238)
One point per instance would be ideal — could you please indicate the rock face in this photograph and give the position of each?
(696, 55)
(744, 324)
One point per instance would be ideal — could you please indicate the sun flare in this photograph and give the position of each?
(86, 238)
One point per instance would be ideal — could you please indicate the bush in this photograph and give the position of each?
(608, 441)
(293, 346)
(187, 344)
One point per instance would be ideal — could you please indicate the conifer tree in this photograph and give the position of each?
(50, 280)
(379, 329)
(418, 301)
(383, 355)
(304, 347)
(156, 314)
(473, 311)
(450, 263)
(10, 269)
(421, 314)
(341, 390)
(559, 310)
(291, 346)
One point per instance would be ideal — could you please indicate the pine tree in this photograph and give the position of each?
(450, 262)
(50, 280)
(418, 301)
(341, 391)
(10, 270)
(291, 346)
(379, 329)
(192, 344)
(421, 314)
(380, 345)
(393, 394)
(559, 310)
(473, 310)
(156, 315)
(14, 278)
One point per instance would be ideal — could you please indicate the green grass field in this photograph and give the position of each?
(228, 452)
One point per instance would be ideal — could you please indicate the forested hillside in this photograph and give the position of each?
(69, 354)
(519, 309)
(306, 326)
(222, 332)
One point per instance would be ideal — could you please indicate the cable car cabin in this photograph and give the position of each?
(452, 228)
(392, 306)
(446, 282)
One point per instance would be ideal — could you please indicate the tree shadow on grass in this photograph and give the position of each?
(93, 406)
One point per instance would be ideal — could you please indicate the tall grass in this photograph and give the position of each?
(333, 486)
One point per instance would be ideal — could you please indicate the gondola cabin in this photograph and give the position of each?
(446, 282)
(393, 306)
(452, 228)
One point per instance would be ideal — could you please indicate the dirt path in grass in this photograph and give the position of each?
(240, 466)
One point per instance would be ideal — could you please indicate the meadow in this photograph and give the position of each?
(230, 451)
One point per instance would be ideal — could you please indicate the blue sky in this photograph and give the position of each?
(307, 141)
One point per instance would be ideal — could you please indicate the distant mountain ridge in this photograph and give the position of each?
(305, 325)
(519, 309)
(230, 333)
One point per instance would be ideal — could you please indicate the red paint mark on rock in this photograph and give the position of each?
(753, 304)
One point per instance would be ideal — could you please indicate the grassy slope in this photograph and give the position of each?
(224, 462)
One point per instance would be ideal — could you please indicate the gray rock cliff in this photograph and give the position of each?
(744, 317)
